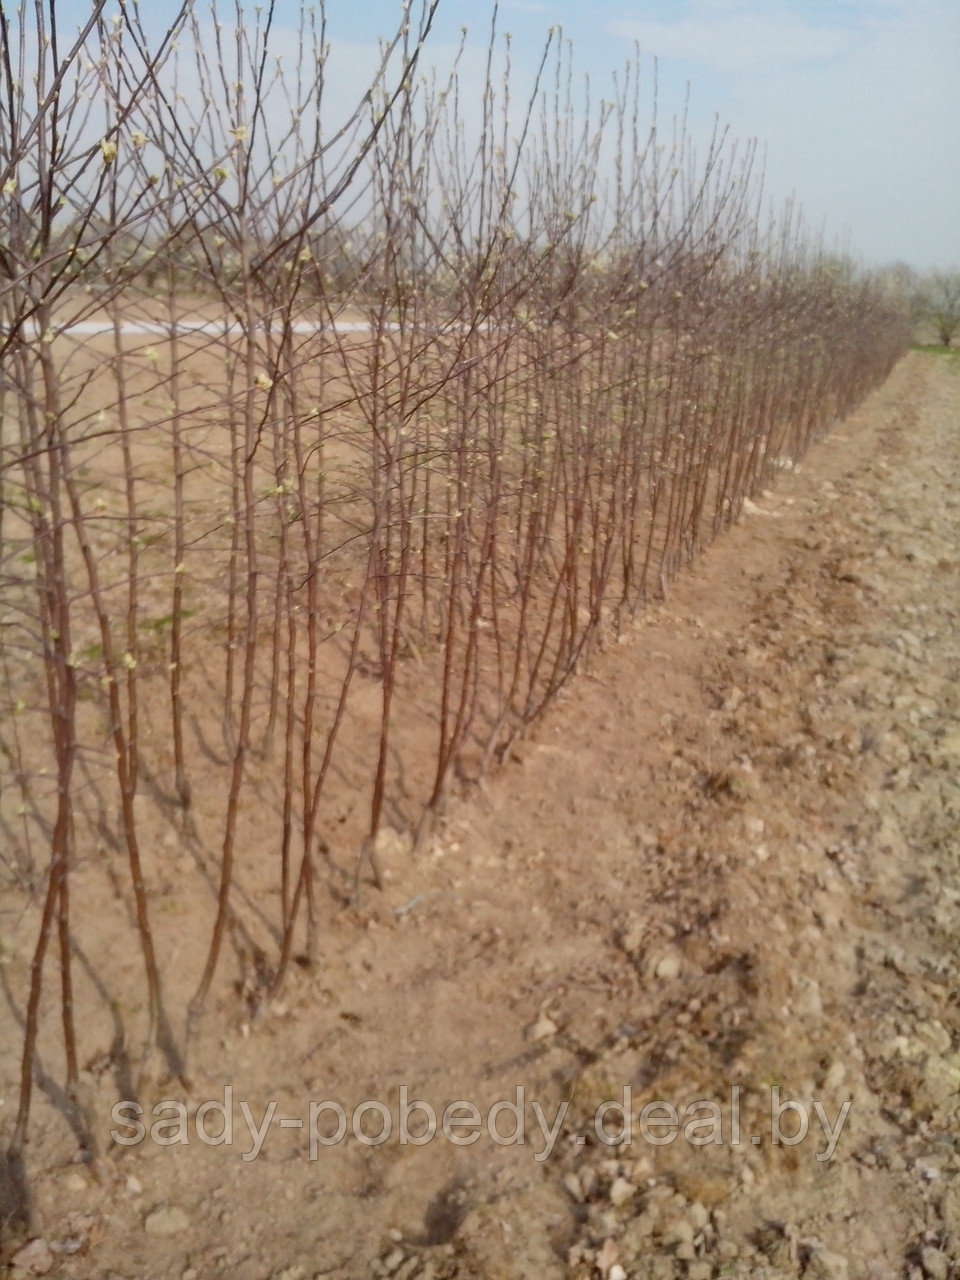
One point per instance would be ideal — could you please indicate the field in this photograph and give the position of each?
(726, 858)
(306, 584)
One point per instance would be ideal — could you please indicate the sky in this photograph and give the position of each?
(855, 104)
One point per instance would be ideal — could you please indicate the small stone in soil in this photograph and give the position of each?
(166, 1222)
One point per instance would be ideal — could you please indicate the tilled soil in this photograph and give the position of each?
(716, 889)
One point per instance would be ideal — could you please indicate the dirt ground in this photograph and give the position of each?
(717, 888)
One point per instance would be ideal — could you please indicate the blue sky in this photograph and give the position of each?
(855, 102)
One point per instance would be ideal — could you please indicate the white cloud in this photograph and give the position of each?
(853, 99)
(737, 36)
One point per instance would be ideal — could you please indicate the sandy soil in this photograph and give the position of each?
(723, 874)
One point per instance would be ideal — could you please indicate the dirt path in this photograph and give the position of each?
(724, 873)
